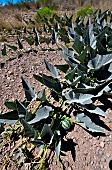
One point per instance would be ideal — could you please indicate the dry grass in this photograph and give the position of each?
(9, 25)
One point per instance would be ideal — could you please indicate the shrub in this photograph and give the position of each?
(43, 11)
(85, 11)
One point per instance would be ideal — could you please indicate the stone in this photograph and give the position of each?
(102, 144)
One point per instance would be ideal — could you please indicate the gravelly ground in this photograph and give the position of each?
(90, 153)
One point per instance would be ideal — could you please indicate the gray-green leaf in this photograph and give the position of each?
(41, 114)
(84, 121)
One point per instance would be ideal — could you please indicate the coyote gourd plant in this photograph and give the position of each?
(74, 86)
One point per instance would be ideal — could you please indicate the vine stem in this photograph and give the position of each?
(61, 165)
(43, 158)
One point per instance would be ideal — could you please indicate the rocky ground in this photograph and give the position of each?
(81, 151)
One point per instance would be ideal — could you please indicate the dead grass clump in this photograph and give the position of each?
(3, 38)
(5, 25)
(9, 25)
(18, 17)
(16, 24)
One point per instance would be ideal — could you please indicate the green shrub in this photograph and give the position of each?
(85, 11)
(47, 12)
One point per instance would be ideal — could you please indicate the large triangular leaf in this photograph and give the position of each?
(72, 33)
(52, 83)
(39, 78)
(57, 27)
(102, 50)
(45, 40)
(82, 56)
(74, 82)
(57, 137)
(11, 105)
(106, 89)
(52, 69)
(42, 95)
(71, 74)
(99, 61)
(77, 98)
(68, 55)
(96, 90)
(78, 45)
(49, 82)
(51, 19)
(12, 47)
(29, 131)
(22, 111)
(90, 37)
(94, 109)
(37, 38)
(29, 91)
(54, 37)
(64, 37)
(9, 117)
(101, 35)
(46, 134)
(84, 121)
(29, 41)
(57, 18)
(66, 52)
(63, 67)
(103, 74)
(41, 114)
(19, 43)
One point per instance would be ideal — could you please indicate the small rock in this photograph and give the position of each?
(110, 136)
(103, 159)
(108, 155)
(10, 72)
(105, 167)
(92, 162)
(102, 166)
(102, 144)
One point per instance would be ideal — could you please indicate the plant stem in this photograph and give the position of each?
(43, 158)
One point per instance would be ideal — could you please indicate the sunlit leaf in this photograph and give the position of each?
(41, 114)
(29, 91)
(84, 121)
(57, 137)
(52, 69)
